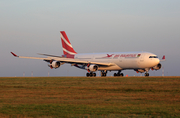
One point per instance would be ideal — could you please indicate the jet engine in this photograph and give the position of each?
(55, 64)
(157, 67)
(93, 68)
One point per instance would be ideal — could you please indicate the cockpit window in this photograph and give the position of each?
(153, 57)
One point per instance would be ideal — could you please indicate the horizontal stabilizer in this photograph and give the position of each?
(14, 54)
(163, 58)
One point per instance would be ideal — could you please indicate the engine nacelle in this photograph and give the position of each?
(140, 70)
(55, 64)
(157, 67)
(93, 68)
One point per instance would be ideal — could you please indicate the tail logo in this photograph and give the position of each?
(108, 56)
(67, 47)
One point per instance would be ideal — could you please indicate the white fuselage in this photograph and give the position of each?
(122, 60)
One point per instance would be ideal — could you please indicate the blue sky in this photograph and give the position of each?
(29, 27)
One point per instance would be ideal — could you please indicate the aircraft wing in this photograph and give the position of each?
(50, 55)
(29, 57)
(65, 60)
(78, 61)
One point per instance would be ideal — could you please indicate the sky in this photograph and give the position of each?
(28, 27)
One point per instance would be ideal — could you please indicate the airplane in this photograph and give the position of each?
(108, 61)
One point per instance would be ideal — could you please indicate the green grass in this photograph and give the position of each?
(104, 97)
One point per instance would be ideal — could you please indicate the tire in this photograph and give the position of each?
(146, 74)
(87, 74)
(101, 74)
(91, 74)
(94, 74)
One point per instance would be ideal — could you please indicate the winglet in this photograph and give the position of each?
(14, 54)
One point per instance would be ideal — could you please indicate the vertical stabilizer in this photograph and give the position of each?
(66, 45)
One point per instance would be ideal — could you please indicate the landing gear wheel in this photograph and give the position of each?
(118, 74)
(121, 74)
(91, 74)
(103, 74)
(146, 74)
(87, 74)
(94, 74)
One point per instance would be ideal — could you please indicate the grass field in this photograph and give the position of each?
(49, 97)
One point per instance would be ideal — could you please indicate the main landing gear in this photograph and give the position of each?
(146, 74)
(91, 74)
(118, 74)
(103, 73)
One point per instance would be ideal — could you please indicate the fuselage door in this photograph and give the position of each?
(141, 57)
(141, 60)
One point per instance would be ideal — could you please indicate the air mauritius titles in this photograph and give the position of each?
(122, 55)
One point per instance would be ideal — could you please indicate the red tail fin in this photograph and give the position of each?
(163, 58)
(66, 45)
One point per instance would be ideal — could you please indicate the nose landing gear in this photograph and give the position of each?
(146, 74)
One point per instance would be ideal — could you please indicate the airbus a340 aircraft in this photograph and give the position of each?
(104, 62)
